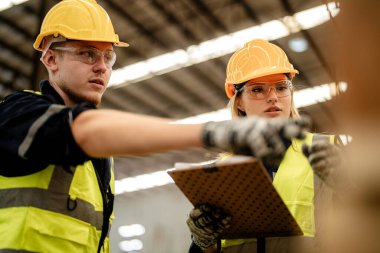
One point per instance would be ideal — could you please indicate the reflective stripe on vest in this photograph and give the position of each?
(56, 199)
(14, 251)
(53, 109)
(294, 181)
(53, 210)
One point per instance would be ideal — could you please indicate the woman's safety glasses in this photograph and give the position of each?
(261, 90)
(90, 55)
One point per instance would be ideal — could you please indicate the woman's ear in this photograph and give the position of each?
(49, 59)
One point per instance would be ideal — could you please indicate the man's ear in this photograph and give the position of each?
(49, 59)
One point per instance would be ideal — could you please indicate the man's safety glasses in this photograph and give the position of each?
(260, 90)
(90, 55)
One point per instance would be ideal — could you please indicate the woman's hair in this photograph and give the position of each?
(236, 112)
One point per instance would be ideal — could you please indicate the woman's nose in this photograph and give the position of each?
(272, 95)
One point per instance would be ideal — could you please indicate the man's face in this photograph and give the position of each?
(83, 70)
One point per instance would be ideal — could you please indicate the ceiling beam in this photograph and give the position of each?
(289, 9)
(34, 82)
(140, 27)
(161, 43)
(249, 11)
(205, 10)
(15, 71)
(172, 19)
(16, 28)
(187, 33)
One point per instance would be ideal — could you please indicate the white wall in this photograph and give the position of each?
(162, 211)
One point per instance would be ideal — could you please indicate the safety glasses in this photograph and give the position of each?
(90, 55)
(261, 90)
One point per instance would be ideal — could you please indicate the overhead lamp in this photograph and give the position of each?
(298, 44)
(222, 45)
(141, 182)
(130, 245)
(131, 230)
(6, 4)
(316, 16)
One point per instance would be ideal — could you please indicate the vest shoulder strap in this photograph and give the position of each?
(33, 91)
(333, 139)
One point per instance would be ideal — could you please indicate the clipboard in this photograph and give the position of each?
(243, 188)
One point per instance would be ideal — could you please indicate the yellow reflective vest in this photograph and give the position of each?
(53, 211)
(294, 181)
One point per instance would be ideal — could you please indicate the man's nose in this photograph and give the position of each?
(100, 63)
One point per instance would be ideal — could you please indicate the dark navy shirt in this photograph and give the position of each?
(35, 132)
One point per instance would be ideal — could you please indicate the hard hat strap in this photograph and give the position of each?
(50, 40)
(239, 87)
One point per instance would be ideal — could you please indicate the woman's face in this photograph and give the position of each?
(269, 106)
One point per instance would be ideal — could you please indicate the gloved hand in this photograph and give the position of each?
(262, 138)
(206, 223)
(327, 162)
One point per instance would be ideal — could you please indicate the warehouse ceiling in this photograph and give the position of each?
(156, 27)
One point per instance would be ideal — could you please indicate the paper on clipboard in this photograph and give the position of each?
(242, 187)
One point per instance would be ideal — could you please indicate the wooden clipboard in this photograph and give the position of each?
(245, 190)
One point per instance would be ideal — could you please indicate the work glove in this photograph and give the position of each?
(327, 162)
(262, 138)
(206, 223)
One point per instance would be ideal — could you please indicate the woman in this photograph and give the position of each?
(259, 82)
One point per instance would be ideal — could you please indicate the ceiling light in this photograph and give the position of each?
(131, 73)
(221, 46)
(131, 230)
(167, 62)
(131, 245)
(6, 4)
(141, 182)
(218, 115)
(298, 44)
(317, 94)
(316, 16)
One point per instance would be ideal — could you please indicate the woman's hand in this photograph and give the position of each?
(206, 223)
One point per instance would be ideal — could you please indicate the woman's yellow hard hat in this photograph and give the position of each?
(255, 59)
(78, 20)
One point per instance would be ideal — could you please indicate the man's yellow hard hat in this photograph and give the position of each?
(255, 59)
(78, 20)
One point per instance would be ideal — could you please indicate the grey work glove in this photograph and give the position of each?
(262, 138)
(206, 223)
(327, 161)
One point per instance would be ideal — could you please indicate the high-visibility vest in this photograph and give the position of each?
(294, 181)
(53, 210)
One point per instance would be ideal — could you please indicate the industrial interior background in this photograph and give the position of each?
(153, 28)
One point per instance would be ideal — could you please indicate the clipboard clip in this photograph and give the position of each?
(210, 167)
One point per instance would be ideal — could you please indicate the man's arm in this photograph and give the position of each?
(37, 131)
(103, 133)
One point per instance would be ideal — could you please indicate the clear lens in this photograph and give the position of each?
(260, 90)
(90, 55)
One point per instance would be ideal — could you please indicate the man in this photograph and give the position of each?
(56, 178)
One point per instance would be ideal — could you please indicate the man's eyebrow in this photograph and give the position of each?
(93, 47)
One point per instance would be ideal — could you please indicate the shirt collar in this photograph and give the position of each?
(49, 91)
